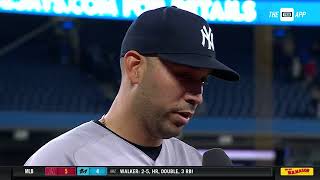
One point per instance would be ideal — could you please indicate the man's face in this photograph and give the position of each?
(169, 94)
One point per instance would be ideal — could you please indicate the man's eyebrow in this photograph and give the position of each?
(205, 77)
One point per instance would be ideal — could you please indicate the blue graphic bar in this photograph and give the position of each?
(92, 171)
(98, 171)
(251, 12)
(304, 13)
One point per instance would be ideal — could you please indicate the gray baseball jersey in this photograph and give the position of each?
(92, 145)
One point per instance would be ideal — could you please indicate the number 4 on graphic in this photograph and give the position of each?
(97, 171)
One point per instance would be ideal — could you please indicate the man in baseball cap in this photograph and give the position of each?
(166, 56)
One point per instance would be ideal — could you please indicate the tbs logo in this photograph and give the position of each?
(286, 14)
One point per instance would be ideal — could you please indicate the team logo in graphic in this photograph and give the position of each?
(286, 14)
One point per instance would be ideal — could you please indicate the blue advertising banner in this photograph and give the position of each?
(251, 12)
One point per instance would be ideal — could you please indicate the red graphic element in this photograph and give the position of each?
(50, 171)
(66, 171)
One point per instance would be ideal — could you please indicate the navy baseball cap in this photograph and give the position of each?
(177, 36)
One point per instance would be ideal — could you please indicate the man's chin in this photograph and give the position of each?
(173, 133)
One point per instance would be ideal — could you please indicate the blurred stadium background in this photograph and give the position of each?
(58, 72)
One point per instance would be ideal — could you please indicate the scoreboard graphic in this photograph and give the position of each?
(272, 173)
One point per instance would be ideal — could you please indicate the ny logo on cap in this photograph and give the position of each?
(207, 35)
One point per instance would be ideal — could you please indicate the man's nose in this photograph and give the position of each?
(194, 98)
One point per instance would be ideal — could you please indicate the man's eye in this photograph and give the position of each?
(187, 78)
(204, 81)
(184, 77)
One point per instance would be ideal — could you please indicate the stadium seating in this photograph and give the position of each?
(34, 84)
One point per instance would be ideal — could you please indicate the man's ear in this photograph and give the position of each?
(133, 62)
